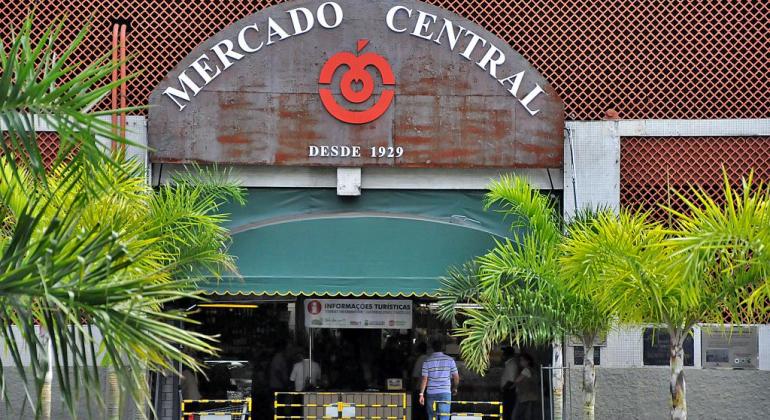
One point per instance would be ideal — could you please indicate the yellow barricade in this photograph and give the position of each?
(481, 410)
(340, 405)
(237, 409)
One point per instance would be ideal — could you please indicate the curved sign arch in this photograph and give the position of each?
(353, 83)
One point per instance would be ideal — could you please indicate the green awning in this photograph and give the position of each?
(349, 255)
(291, 241)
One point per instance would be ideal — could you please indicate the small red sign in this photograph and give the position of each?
(314, 307)
(357, 84)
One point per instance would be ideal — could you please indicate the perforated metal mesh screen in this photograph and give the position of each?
(645, 59)
(47, 141)
(49, 146)
(650, 166)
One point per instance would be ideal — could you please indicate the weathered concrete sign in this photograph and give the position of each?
(356, 83)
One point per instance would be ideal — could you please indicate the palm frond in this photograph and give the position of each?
(523, 320)
(213, 181)
(186, 217)
(85, 270)
(723, 244)
(529, 209)
(518, 289)
(459, 286)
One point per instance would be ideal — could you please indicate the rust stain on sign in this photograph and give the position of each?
(233, 139)
(461, 97)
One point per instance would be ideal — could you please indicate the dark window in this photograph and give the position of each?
(656, 344)
(579, 355)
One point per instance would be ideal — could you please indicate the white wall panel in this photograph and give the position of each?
(591, 166)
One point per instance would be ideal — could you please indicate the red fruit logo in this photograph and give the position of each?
(364, 85)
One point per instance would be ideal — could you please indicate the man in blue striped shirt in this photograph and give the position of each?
(439, 382)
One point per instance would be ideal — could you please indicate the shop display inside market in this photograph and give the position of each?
(357, 354)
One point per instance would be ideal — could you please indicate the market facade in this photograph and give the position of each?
(366, 132)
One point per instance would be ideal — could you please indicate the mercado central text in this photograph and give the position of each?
(256, 37)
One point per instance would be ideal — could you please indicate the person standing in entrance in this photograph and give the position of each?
(439, 382)
(527, 390)
(279, 368)
(306, 374)
(508, 381)
(416, 380)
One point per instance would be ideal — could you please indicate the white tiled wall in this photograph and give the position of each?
(624, 348)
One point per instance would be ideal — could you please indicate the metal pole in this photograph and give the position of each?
(551, 370)
(542, 395)
(310, 356)
(569, 378)
(550, 393)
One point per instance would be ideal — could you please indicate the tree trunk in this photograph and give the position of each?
(557, 381)
(113, 395)
(589, 381)
(142, 405)
(677, 384)
(45, 390)
(141, 411)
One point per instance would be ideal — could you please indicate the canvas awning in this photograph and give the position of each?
(291, 242)
(349, 255)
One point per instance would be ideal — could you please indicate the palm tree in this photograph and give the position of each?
(713, 260)
(519, 290)
(87, 249)
(158, 239)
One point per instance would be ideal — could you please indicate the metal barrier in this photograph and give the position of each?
(477, 410)
(549, 411)
(340, 405)
(202, 409)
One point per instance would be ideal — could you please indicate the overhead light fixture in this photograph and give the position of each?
(229, 305)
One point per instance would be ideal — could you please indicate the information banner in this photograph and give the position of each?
(358, 313)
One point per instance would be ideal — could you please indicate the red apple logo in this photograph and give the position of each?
(357, 84)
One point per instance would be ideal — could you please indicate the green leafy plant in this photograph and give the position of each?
(710, 261)
(519, 293)
(90, 255)
(102, 254)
